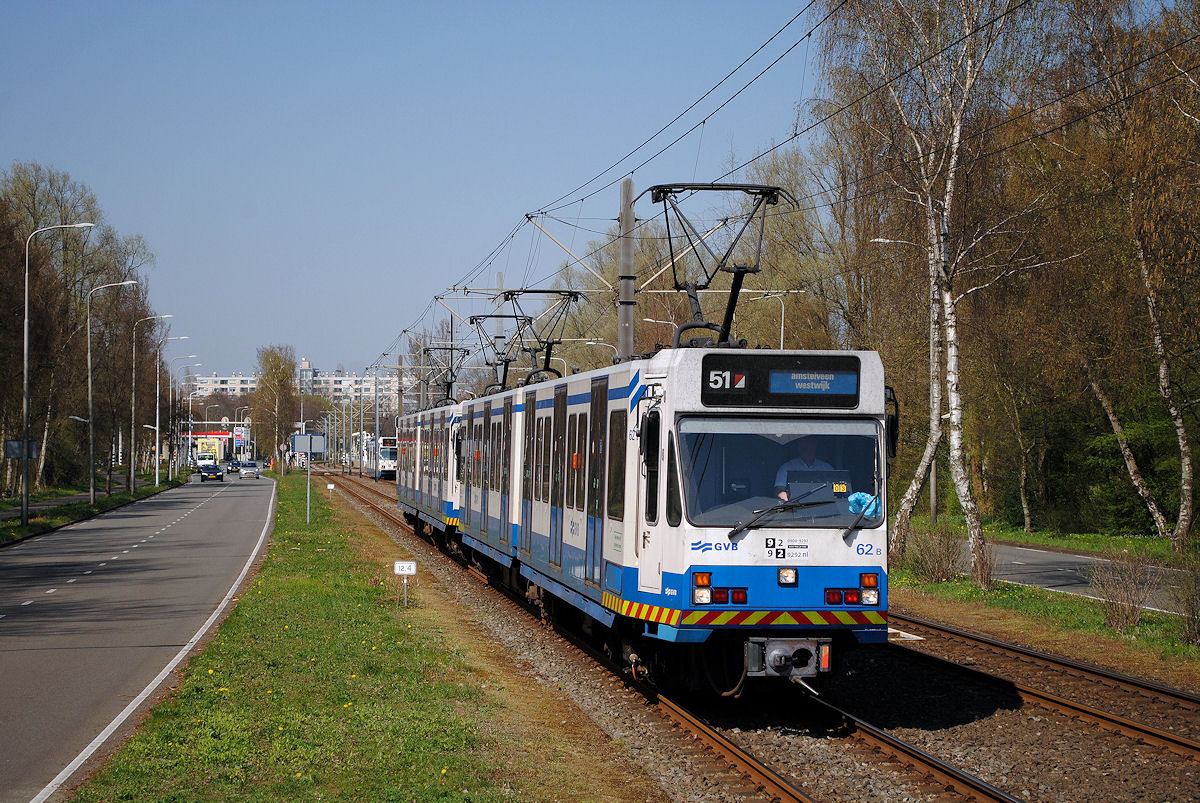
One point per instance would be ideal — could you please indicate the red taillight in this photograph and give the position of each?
(824, 657)
(720, 596)
(833, 596)
(738, 595)
(853, 596)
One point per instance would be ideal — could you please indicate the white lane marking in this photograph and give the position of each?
(73, 579)
(105, 563)
(87, 752)
(51, 590)
(26, 602)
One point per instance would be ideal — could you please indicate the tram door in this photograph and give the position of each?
(486, 444)
(557, 468)
(528, 458)
(505, 457)
(597, 418)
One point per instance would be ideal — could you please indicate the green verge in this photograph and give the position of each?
(317, 685)
(1158, 632)
(43, 519)
(1152, 547)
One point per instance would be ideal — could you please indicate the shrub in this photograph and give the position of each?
(935, 555)
(1187, 596)
(1123, 583)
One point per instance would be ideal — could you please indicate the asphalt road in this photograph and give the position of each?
(1066, 573)
(93, 614)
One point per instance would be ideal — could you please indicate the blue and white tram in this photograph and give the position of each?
(721, 513)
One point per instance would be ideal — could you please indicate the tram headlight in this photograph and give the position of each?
(870, 596)
(787, 575)
(701, 596)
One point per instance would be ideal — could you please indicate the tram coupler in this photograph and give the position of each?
(792, 658)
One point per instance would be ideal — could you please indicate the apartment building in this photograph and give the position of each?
(337, 386)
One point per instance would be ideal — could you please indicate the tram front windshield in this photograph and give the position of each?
(818, 472)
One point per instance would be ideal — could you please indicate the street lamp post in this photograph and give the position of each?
(237, 422)
(191, 423)
(157, 398)
(779, 298)
(91, 411)
(602, 343)
(25, 377)
(172, 467)
(133, 399)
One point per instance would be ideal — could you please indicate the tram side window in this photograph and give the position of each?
(674, 504)
(581, 439)
(537, 460)
(616, 463)
(493, 454)
(548, 436)
(650, 441)
(572, 458)
(479, 453)
(527, 460)
(506, 437)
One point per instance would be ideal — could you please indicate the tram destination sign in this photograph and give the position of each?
(746, 379)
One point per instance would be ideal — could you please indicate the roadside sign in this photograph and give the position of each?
(308, 443)
(12, 449)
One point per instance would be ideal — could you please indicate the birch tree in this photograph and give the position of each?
(928, 68)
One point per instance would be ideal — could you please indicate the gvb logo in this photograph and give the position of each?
(726, 380)
(709, 546)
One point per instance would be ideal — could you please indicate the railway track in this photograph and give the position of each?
(725, 756)
(1183, 701)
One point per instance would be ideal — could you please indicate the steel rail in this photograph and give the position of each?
(947, 775)
(1145, 686)
(1147, 734)
(767, 781)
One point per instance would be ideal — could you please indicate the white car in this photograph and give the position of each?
(249, 468)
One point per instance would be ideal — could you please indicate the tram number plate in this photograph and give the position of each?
(791, 547)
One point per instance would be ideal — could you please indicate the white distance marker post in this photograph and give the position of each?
(406, 569)
(330, 487)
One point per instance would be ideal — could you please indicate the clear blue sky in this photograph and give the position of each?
(312, 173)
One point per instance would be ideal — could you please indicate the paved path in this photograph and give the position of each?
(43, 504)
(94, 615)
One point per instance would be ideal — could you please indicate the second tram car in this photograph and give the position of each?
(385, 459)
(712, 514)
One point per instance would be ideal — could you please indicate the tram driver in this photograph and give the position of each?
(805, 460)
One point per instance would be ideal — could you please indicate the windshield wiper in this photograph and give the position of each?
(790, 504)
(862, 514)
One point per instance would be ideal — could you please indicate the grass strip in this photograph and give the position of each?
(43, 519)
(1157, 549)
(317, 685)
(1157, 634)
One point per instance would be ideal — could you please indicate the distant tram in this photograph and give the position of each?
(385, 459)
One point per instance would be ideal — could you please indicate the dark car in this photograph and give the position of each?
(211, 471)
(233, 467)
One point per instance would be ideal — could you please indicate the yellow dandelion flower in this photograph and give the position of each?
(210, 671)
